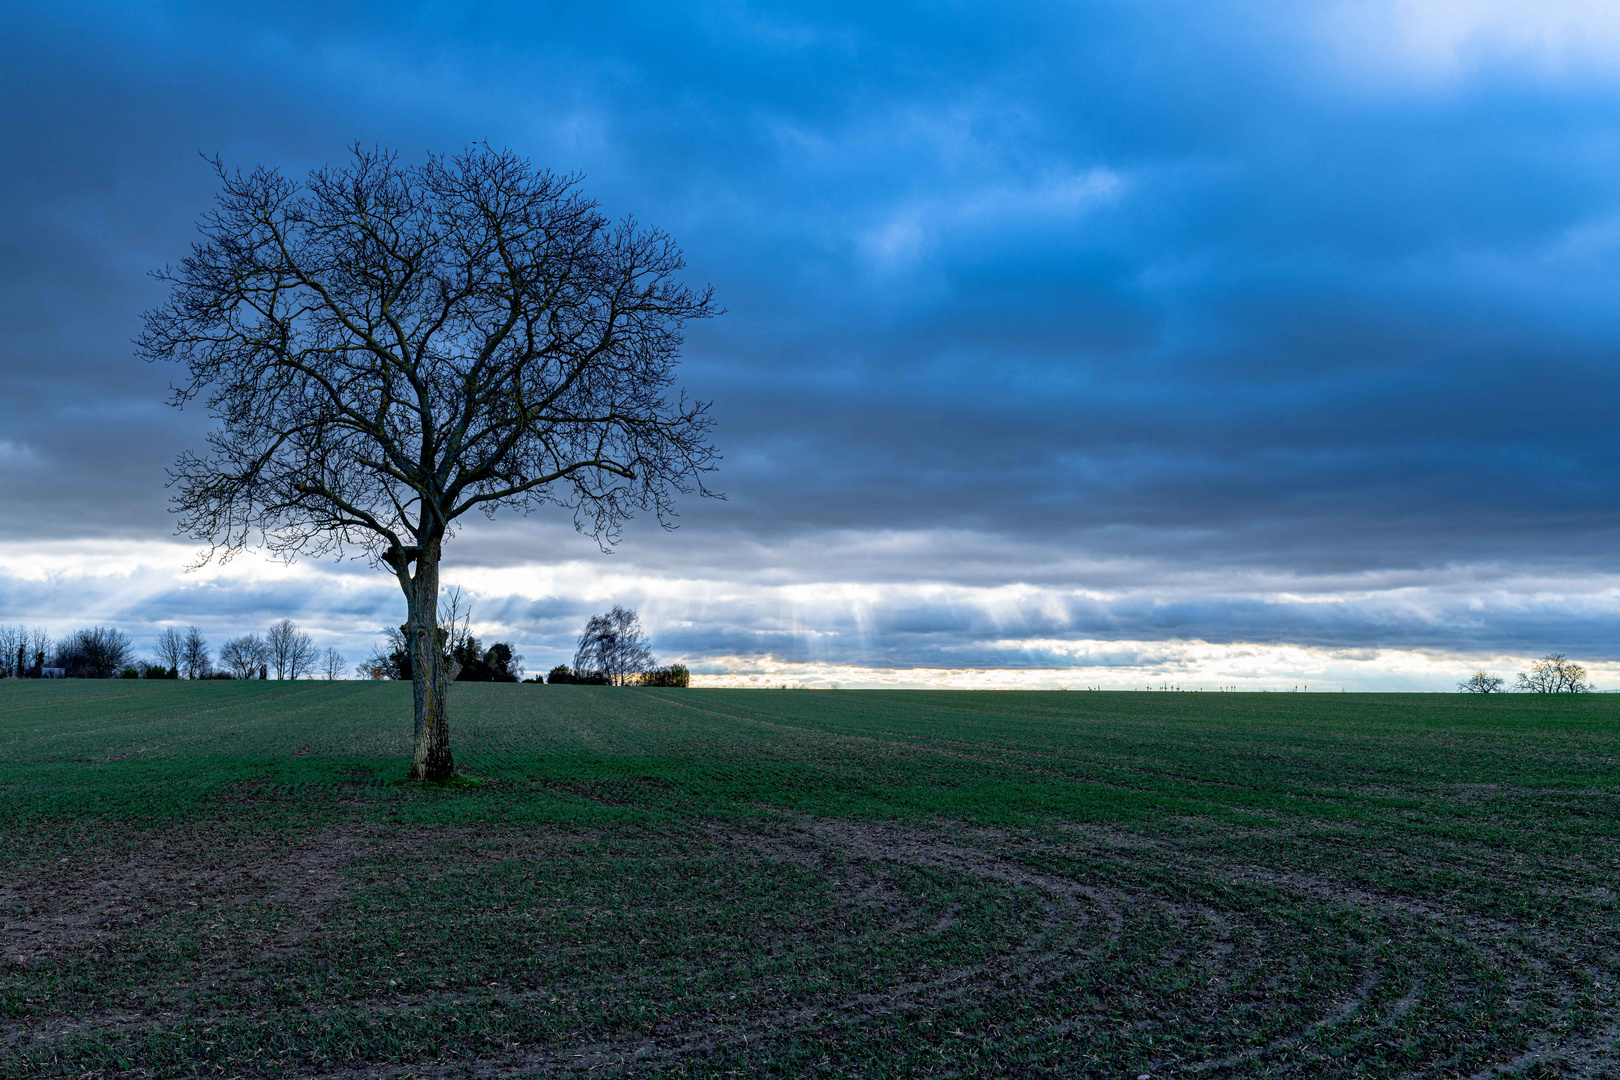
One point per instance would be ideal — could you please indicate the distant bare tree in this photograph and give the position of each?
(613, 645)
(95, 653)
(391, 659)
(170, 649)
(305, 659)
(388, 348)
(194, 657)
(14, 642)
(375, 666)
(106, 651)
(244, 656)
(455, 626)
(1481, 682)
(235, 656)
(39, 644)
(292, 652)
(8, 650)
(333, 665)
(1554, 673)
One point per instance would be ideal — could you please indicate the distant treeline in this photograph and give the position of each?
(96, 653)
(1554, 673)
(673, 675)
(464, 657)
(284, 652)
(613, 651)
(469, 661)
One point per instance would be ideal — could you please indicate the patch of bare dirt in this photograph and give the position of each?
(50, 909)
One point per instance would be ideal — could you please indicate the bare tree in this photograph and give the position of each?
(455, 627)
(613, 645)
(278, 642)
(333, 665)
(194, 655)
(9, 651)
(39, 643)
(387, 348)
(391, 659)
(588, 659)
(1554, 673)
(170, 649)
(305, 658)
(291, 651)
(375, 666)
(244, 656)
(14, 641)
(96, 653)
(1481, 682)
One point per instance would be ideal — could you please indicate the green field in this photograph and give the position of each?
(227, 879)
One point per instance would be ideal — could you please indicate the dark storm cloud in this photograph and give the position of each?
(1059, 284)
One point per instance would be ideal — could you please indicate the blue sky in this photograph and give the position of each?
(1067, 344)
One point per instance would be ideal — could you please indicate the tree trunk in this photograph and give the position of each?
(431, 760)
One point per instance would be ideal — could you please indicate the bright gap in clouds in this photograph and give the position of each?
(1265, 632)
(1175, 665)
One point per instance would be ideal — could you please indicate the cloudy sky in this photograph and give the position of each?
(1212, 343)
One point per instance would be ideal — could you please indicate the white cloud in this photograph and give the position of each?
(1447, 39)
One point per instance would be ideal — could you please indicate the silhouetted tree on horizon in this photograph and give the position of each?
(613, 645)
(1554, 673)
(194, 655)
(387, 348)
(19, 646)
(170, 649)
(244, 656)
(1481, 682)
(94, 653)
(289, 650)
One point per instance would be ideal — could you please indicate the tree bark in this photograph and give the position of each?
(429, 680)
